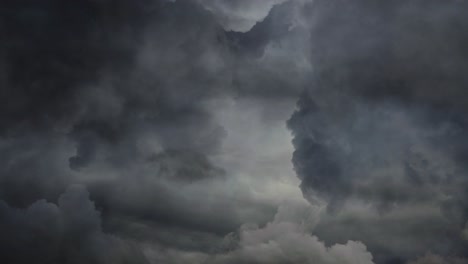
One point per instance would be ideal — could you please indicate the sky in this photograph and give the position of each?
(233, 131)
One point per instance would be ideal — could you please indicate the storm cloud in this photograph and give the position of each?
(121, 98)
(380, 131)
(156, 131)
(69, 232)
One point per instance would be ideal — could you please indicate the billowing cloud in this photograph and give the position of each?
(172, 114)
(379, 132)
(286, 239)
(117, 96)
(69, 232)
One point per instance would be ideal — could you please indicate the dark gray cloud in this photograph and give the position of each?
(380, 131)
(69, 232)
(435, 259)
(285, 239)
(115, 95)
(93, 89)
(172, 114)
(80, 77)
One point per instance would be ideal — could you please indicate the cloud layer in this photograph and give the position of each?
(379, 133)
(171, 117)
(69, 232)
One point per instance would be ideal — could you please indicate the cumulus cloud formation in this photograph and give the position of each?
(286, 240)
(69, 232)
(382, 125)
(156, 131)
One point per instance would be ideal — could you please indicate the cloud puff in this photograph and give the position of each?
(286, 239)
(69, 232)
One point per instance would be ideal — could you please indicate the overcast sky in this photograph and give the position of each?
(234, 131)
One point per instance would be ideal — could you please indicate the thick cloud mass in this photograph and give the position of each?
(69, 232)
(85, 82)
(382, 124)
(286, 239)
(116, 96)
(156, 131)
